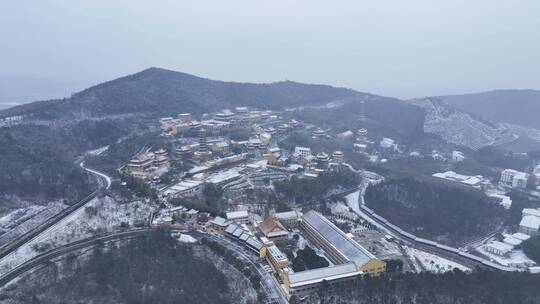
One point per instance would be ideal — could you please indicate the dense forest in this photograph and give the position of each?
(231, 257)
(495, 157)
(208, 201)
(454, 287)
(386, 117)
(39, 161)
(163, 92)
(156, 269)
(303, 190)
(435, 209)
(122, 150)
(531, 247)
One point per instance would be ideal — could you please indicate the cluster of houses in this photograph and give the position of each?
(511, 178)
(528, 227)
(149, 165)
(219, 122)
(313, 164)
(348, 259)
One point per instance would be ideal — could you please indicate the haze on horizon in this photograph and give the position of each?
(394, 48)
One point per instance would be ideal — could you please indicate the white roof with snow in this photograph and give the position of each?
(287, 215)
(531, 222)
(318, 275)
(236, 214)
(510, 240)
(345, 245)
(500, 246)
(531, 211)
(521, 236)
(219, 221)
(182, 186)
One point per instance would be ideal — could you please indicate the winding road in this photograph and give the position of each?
(103, 181)
(47, 257)
(274, 292)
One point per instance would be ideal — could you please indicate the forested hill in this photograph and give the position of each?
(157, 92)
(38, 153)
(166, 92)
(520, 107)
(438, 210)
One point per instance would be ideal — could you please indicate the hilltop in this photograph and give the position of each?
(520, 107)
(40, 150)
(162, 92)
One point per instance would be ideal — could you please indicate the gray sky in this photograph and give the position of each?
(395, 48)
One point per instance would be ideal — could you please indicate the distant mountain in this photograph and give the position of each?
(459, 127)
(520, 107)
(164, 92)
(6, 105)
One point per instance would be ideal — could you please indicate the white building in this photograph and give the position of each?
(288, 218)
(530, 222)
(303, 282)
(503, 200)
(240, 217)
(513, 178)
(536, 171)
(414, 154)
(346, 134)
(224, 177)
(457, 156)
(387, 143)
(530, 211)
(498, 248)
(360, 147)
(516, 239)
(302, 151)
(187, 187)
(277, 258)
(337, 156)
(473, 181)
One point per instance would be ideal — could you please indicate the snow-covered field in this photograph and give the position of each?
(430, 262)
(99, 216)
(97, 151)
(459, 127)
(338, 208)
(516, 258)
(22, 220)
(352, 201)
(184, 238)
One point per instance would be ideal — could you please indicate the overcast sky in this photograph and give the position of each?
(395, 48)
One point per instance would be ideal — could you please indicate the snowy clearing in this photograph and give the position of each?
(100, 215)
(431, 262)
(516, 258)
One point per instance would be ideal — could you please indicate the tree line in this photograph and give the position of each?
(435, 209)
(453, 287)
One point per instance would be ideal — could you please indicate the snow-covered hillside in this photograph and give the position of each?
(459, 127)
(100, 215)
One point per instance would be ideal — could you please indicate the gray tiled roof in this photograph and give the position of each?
(338, 239)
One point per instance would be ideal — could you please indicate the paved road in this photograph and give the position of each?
(274, 292)
(104, 182)
(68, 248)
(411, 243)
